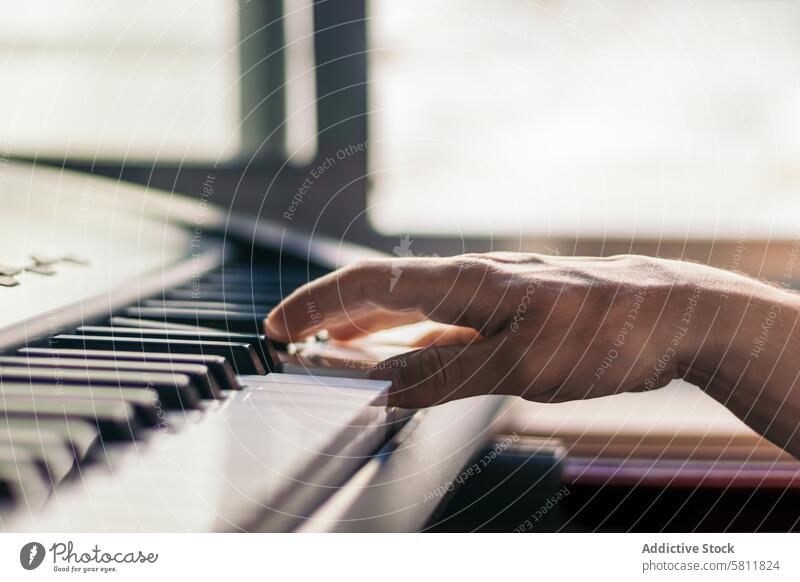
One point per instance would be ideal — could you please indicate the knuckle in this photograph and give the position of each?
(460, 263)
(347, 276)
(537, 259)
(363, 266)
(466, 257)
(354, 276)
(432, 368)
(431, 376)
(477, 268)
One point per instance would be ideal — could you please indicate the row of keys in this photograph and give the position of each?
(41, 265)
(143, 369)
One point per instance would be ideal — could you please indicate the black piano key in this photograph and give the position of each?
(242, 356)
(195, 335)
(218, 366)
(175, 390)
(232, 321)
(116, 421)
(249, 307)
(228, 322)
(145, 402)
(266, 352)
(152, 324)
(218, 294)
(258, 280)
(203, 381)
(258, 276)
(237, 277)
(251, 293)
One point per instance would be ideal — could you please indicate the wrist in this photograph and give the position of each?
(744, 326)
(744, 350)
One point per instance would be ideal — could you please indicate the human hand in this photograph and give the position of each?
(547, 329)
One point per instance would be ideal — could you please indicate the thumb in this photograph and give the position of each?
(436, 375)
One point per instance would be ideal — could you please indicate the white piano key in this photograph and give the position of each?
(254, 452)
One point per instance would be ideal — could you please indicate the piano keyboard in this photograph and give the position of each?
(138, 392)
(172, 414)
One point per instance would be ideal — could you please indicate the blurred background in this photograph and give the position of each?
(613, 118)
(560, 126)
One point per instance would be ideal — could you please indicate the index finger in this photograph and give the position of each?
(418, 287)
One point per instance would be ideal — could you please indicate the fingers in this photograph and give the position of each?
(436, 375)
(415, 287)
(448, 335)
(370, 323)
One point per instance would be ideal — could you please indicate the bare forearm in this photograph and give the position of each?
(750, 360)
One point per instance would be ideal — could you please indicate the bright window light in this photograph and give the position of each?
(107, 79)
(610, 119)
